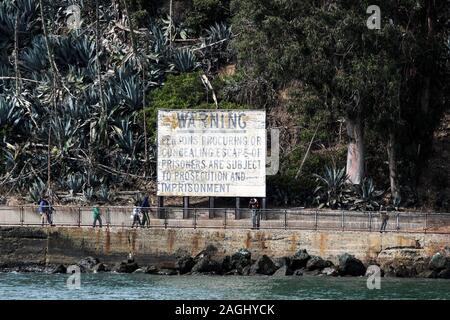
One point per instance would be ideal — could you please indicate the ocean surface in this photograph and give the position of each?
(40, 286)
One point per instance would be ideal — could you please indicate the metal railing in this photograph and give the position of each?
(232, 218)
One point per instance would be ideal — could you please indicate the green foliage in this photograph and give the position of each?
(183, 91)
(332, 188)
(205, 13)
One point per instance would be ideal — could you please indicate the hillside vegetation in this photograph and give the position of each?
(359, 110)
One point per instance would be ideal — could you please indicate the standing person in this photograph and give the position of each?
(43, 205)
(135, 215)
(254, 206)
(145, 207)
(97, 215)
(49, 213)
(384, 220)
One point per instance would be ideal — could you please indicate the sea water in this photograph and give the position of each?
(38, 286)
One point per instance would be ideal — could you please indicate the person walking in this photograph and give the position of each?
(384, 220)
(97, 215)
(253, 205)
(135, 215)
(145, 207)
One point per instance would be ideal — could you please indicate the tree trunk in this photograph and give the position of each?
(392, 159)
(355, 153)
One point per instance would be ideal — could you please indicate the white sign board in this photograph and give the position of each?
(212, 153)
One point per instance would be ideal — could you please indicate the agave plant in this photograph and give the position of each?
(332, 189)
(218, 32)
(104, 194)
(88, 195)
(184, 60)
(367, 197)
(74, 182)
(36, 191)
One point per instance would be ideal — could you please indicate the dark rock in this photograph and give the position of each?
(349, 265)
(430, 274)
(246, 271)
(99, 267)
(140, 270)
(226, 264)
(241, 259)
(167, 272)
(330, 271)
(300, 259)
(439, 262)
(283, 271)
(59, 269)
(444, 274)
(316, 263)
(209, 251)
(298, 272)
(86, 264)
(315, 272)
(402, 261)
(125, 267)
(151, 270)
(283, 261)
(233, 272)
(207, 264)
(264, 265)
(185, 264)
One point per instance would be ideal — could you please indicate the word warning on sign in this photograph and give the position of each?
(212, 153)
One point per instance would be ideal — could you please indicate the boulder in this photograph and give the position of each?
(315, 272)
(444, 274)
(439, 261)
(349, 265)
(283, 261)
(140, 270)
(185, 264)
(402, 262)
(125, 267)
(86, 264)
(330, 271)
(147, 270)
(59, 269)
(264, 265)
(298, 272)
(316, 263)
(246, 270)
(299, 260)
(207, 264)
(226, 264)
(430, 274)
(241, 259)
(209, 251)
(283, 271)
(167, 272)
(99, 267)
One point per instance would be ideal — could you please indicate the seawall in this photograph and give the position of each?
(67, 245)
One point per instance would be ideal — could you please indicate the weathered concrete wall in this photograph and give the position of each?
(157, 246)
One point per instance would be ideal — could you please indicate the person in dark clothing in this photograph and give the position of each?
(254, 206)
(46, 211)
(384, 220)
(145, 207)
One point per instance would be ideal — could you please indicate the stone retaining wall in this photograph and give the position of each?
(67, 245)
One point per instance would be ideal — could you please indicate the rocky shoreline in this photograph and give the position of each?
(405, 263)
